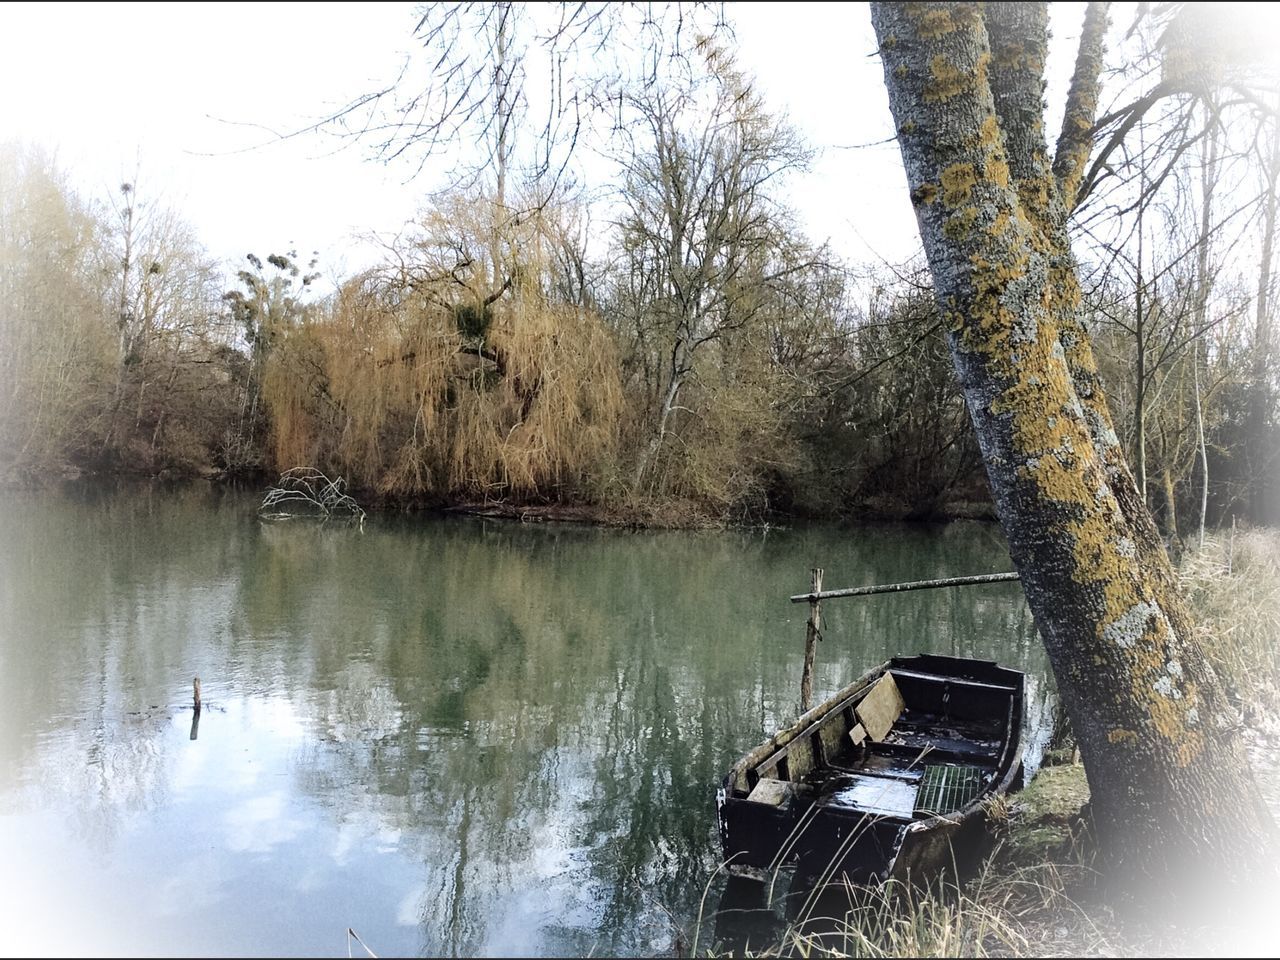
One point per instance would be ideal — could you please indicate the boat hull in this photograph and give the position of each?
(811, 799)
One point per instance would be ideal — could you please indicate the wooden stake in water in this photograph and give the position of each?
(195, 716)
(812, 634)
(814, 631)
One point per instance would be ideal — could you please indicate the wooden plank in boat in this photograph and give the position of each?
(880, 708)
(799, 758)
(832, 734)
(955, 681)
(772, 792)
(858, 734)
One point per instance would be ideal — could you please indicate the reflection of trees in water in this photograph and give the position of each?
(542, 714)
(560, 687)
(103, 612)
(101, 774)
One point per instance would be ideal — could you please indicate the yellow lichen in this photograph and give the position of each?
(960, 223)
(935, 23)
(998, 172)
(1119, 735)
(950, 81)
(958, 181)
(924, 194)
(1034, 192)
(989, 132)
(1009, 54)
(1169, 717)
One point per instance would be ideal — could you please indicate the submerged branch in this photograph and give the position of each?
(305, 491)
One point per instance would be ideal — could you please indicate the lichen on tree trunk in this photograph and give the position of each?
(1170, 784)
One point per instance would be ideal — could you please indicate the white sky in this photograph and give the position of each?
(171, 91)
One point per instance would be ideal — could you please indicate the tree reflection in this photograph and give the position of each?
(539, 717)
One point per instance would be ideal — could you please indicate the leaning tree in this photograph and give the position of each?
(1170, 783)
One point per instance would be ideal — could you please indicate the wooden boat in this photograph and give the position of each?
(889, 778)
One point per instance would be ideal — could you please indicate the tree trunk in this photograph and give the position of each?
(1202, 449)
(1204, 282)
(501, 118)
(124, 315)
(1258, 392)
(1170, 505)
(1140, 377)
(650, 450)
(1155, 730)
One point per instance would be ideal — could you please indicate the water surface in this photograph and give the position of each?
(455, 736)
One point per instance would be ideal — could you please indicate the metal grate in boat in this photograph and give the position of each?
(946, 788)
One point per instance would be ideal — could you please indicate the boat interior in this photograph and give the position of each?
(908, 745)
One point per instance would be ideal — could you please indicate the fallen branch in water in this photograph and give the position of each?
(305, 491)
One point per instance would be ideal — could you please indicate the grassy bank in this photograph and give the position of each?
(1233, 584)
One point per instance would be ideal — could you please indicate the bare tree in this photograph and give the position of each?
(522, 83)
(701, 225)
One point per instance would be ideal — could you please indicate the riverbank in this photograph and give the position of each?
(623, 512)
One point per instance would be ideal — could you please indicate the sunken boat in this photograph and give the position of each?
(890, 778)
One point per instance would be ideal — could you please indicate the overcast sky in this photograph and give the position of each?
(176, 92)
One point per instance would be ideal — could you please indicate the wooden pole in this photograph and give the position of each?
(818, 594)
(195, 699)
(812, 634)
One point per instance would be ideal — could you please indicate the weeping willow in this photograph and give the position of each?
(443, 376)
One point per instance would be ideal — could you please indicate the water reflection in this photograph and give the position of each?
(457, 737)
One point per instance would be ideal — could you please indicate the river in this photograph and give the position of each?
(455, 736)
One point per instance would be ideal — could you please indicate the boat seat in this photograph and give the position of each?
(934, 754)
(772, 792)
(870, 716)
(885, 771)
(952, 681)
(879, 710)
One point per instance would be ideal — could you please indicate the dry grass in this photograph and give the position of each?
(1023, 912)
(1233, 585)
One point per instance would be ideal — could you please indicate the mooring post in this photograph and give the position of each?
(195, 689)
(812, 633)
